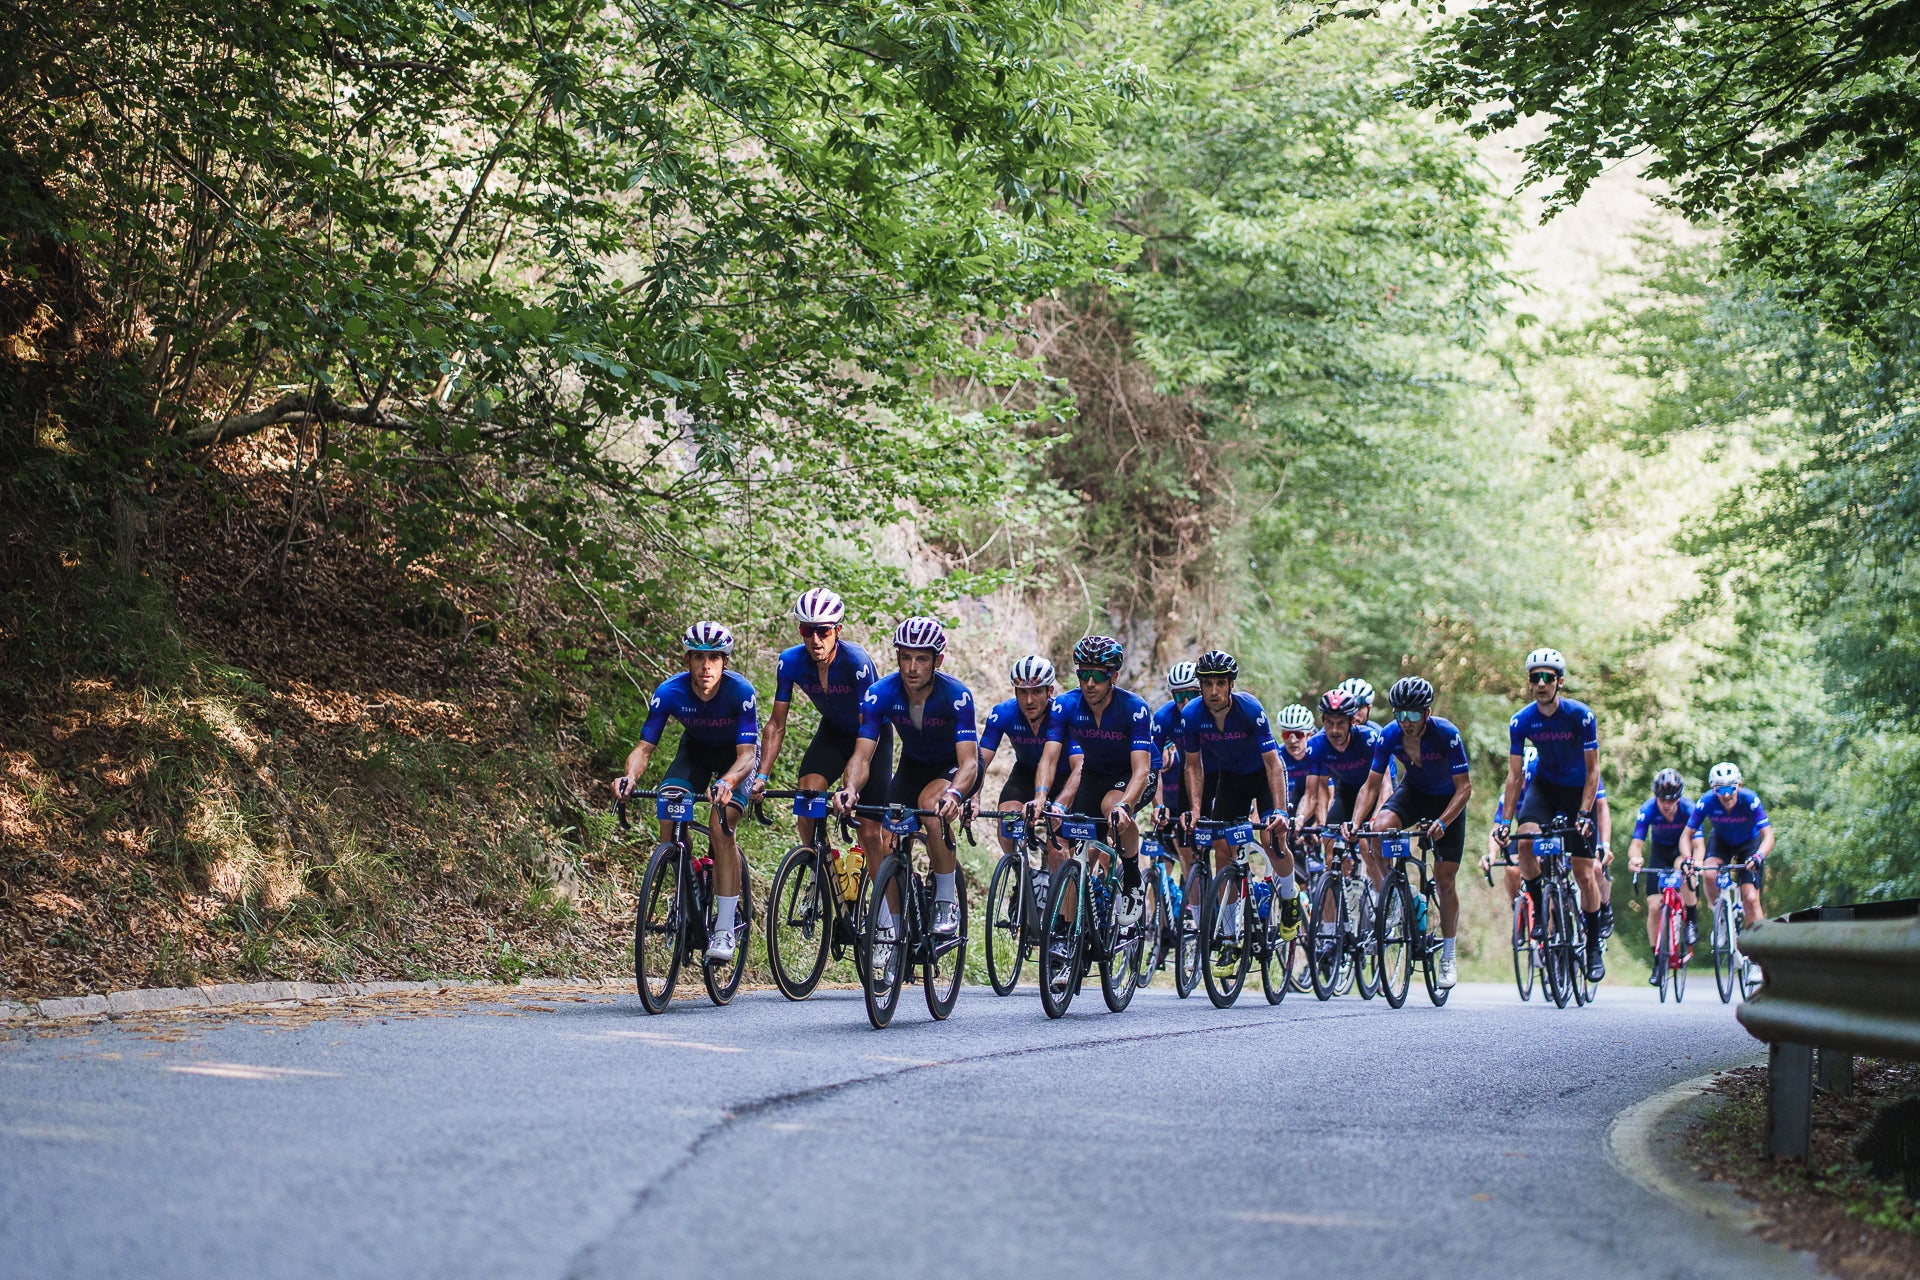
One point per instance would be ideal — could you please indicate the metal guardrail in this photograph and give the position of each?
(1843, 980)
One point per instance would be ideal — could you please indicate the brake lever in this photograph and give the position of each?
(620, 813)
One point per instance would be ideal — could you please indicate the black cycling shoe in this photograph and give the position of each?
(1062, 947)
(1596, 965)
(1606, 921)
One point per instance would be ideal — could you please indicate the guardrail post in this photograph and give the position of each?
(1836, 1072)
(1789, 1100)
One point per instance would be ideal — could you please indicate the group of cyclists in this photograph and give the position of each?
(1206, 757)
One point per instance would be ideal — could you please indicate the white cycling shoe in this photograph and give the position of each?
(1449, 974)
(720, 947)
(946, 919)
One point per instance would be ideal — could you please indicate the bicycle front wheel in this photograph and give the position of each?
(799, 923)
(1677, 945)
(1006, 927)
(1663, 953)
(1326, 936)
(657, 926)
(1276, 962)
(1525, 963)
(1120, 960)
(1224, 924)
(883, 950)
(1060, 973)
(1432, 948)
(947, 959)
(1559, 945)
(1724, 976)
(1186, 953)
(1393, 940)
(724, 979)
(1154, 926)
(1366, 963)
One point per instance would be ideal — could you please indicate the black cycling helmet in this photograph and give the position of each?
(1410, 693)
(1338, 702)
(1216, 662)
(1103, 652)
(1668, 784)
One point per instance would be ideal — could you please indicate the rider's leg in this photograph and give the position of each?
(1750, 899)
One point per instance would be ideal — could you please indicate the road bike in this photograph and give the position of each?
(1562, 939)
(1338, 935)
(1732, 970)
(905, 887)
(676, 912)
(1239, 922)
(1016, 903)
(1671, 951)
(1084, 928)
(816, 908)
(1407, 928)
(1528, 960)
(1174, 911)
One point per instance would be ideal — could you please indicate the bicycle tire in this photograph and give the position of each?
(658, 944)
(1276, 963)
(1366, 965)
(1662, 957)
(1224, 988)
(1153, 926)
(1060, 979)
(1120, 962)
(1724, 976)
(880, 982)
(945, 968)
(1558, 947)
(1186, 954)
(1393, 939)
(1432, 949)
(723, 981)
(798, 905)
(1327, 938)
(1007, 897)
(1677, 940)
(1523, 973)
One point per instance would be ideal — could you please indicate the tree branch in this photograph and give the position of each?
(288, 410)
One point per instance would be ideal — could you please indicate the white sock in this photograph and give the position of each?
(1446, 949)
(723, 909)
(886, 915)
(1289, 887)
(943, 887)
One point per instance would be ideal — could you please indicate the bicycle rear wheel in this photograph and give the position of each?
(1393, 939)
(1327, 938)
(1224, 925)
(883, 962)
(1154, 931)
(1006, 940)
(1525, 963)
(946, 960)
(657, 925)
(1724, 976)
(1186, 953)
(1060, 975)
(799, 923)
(1662, 956)
(1677, 946)
(1120, 960)
(1276, 963)
(1366, 962)
(1559, 944)
(724, 979)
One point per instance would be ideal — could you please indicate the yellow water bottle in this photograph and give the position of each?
(852, 862)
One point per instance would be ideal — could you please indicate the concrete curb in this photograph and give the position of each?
(227, 995)
(1644, 1143)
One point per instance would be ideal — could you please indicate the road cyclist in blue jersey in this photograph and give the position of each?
(1603, 832)
(719, 743)
(1658, 831)
(1338, 759)
(1183, 686)
(1233, 768)
(1566, 734)
(1295, 724)
(933, 716)
(1742, 835)
(1112, 728)
(1435, 785)
(1021, 722)
(835, 674)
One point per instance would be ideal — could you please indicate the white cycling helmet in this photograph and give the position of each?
(1359, 689)
(1181, 677)
(921, 633)
(1549, 658)
(707, 637)
(1032, 672)
(1295, 718)
(820, 607)
(1724, 774)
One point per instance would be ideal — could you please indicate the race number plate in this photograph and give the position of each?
(1671, 879)
(1549, 847)
(1240, 833)
(1014, 829)
(809, 806)
(1152, 847)
(902, 824)
(673, 808)
(1079, 829)
(1393, 848)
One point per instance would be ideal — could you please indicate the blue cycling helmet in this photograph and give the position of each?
(1103, 652)
(707, 637)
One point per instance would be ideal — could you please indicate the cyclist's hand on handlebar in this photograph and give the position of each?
(1585, 826)
(1121, 817)
(622, 785)
(843, 801)
(1486, 864)
(721, 792)
(1635, 862)
(1502, 832)
(948, 805)
(759, 787)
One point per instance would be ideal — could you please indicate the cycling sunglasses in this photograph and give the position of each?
(818, 631)
(1542, 677)
(1726, 793)
(1094, 674)
(1410, 717)
(1294, 735)
(1184, 696)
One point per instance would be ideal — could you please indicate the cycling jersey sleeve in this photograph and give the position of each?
(1590, 731)
(963, 721)
(1383, 747)
(1057, 721)
(1698, 821)
(656, 717)
(1142, 729)
(783, 679)
(1760, 819)
(1516, 735)
(870, 713)
(749, 720)
(1640, 825)
(995, 730)
(1457, 754)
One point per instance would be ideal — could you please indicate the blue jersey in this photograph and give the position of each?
(1005, 721)
(1738, 825)
(1296, 772)
(1235, 744)
(1651, 826)
(1443, 755)
(1165, 729)
(1563, 740)
(1526, 780)
(946, 720)
(1110, 742)
(849, 676)
(724, 720)
(1347, 768)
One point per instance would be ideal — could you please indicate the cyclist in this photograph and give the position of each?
(1433, 791)
(720, 734)
(1568, 738)
(1603, 829)
(1339, 758)
(1113, 729)
(1742, 834)
(1232, 766)
(1023, 720)
(1362, 694)
(1183, 686)
(1295, 723)
(834, 673)
(1658, 830)
(939, 758)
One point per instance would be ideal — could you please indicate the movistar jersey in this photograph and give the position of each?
(1296, 774)
(1348, 768)
(1443, 755)
(849, 676)
(726, 719)
(1526, 780)
(1738, 825)
(1651, 825)
(1165, 727)
(1109, 742)
(946, 719)
(1233, 745)
(1005, 721)
(1563, 740)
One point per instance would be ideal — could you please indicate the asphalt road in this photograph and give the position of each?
(772, 1140)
